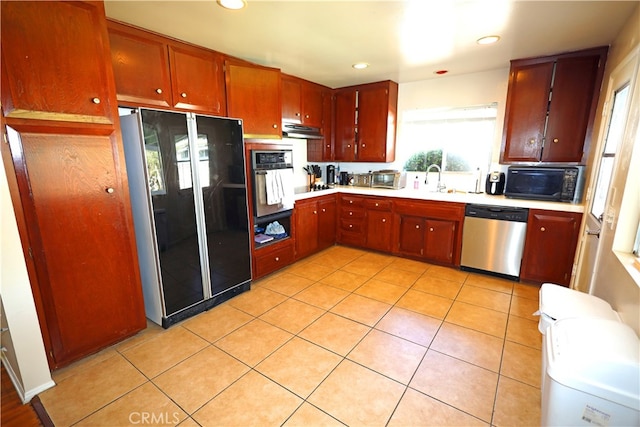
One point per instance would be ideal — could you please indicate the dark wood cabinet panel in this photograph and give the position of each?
(379, 227)
(550, 107)
(550, 246)
(301, 101)
(273, 258)
(312, 107)
(140, 66)
(306, 228)
(440, 240)
(197, 79)
(81, 234)
(376, 122)
(365, 123)
(570, 108)
(345, 126)
(526, 111)
(411, 236)
(55, 62)
(326, 222)
(154, 71)
(254, 95)
(291, 99)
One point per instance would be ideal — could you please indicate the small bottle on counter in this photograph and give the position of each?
(416, 183)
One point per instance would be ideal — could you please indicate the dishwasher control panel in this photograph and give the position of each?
(502, 213)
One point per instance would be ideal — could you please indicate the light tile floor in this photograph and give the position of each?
(345, 337)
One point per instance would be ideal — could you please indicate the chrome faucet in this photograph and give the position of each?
(440, 185)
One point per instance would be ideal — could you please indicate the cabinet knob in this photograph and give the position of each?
(556, 140)
(377, 205)
(96, 100)
(350, 213)
(306, 116)
(543, 229)
(183, 94)
(384, 219)
(315, 212)
(417, 226)
(350, 201)
(277, 258)
(158, 91)
(348, 145)
(363, 145)
(275, 126)
(350, 225)
(532, 141)
(110, 190)
(324, 210)
(297, 114)
(430, 228)
(328, 145)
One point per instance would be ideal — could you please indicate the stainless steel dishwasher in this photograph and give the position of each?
(493, 239)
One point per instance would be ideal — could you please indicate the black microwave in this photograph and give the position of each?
(549, 183)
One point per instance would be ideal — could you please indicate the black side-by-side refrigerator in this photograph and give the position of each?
(189, 200)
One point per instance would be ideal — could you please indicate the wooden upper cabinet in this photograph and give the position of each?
(141, 66)
(301, 101)
(377, 107)
(254, 95)
(365, 124)
(154, 71)
(197, 79)
(550, 107)
(345, 126)
(71, 79)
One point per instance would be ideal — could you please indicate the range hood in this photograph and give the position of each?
(290, 130)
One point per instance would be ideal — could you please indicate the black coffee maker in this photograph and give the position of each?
(331, 175)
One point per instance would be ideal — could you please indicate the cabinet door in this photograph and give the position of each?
(526, 112)
(440, 236)
(344, 149)
(254, 95)
(306, 223)
(197, 79)
(373, 105)
(328, 122)
(74, 188)
(140, 66)
(573, 91)
(550, 246)
(379, 226)
(411, 236)
(312, 104)
(326, 222)
(57, 56)
(291, 99)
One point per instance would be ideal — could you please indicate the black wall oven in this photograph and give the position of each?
(548, 183)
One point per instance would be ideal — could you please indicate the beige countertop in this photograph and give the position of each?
(458, 197)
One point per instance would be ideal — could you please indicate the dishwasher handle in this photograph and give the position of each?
(501, 213)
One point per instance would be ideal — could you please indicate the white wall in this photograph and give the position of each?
(25, 361)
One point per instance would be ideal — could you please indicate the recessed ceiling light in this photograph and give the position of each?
(232, 4)
(360, 65)
(488, 40)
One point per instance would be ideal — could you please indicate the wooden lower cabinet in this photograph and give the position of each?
(379, 224)
(550, 246)
(351, 220)
(315, 225)
(273, 257)
(429, 230)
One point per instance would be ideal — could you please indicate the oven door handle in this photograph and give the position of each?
(260, 173)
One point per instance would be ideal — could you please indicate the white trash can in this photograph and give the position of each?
(558, 302)
(593, 374)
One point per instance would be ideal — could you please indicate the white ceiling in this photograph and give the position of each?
(320, 40)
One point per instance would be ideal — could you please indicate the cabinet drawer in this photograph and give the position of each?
(351, 238)
(378, 204)
(348, 213)
(352, 225)
(273, 259)
(352, 201)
